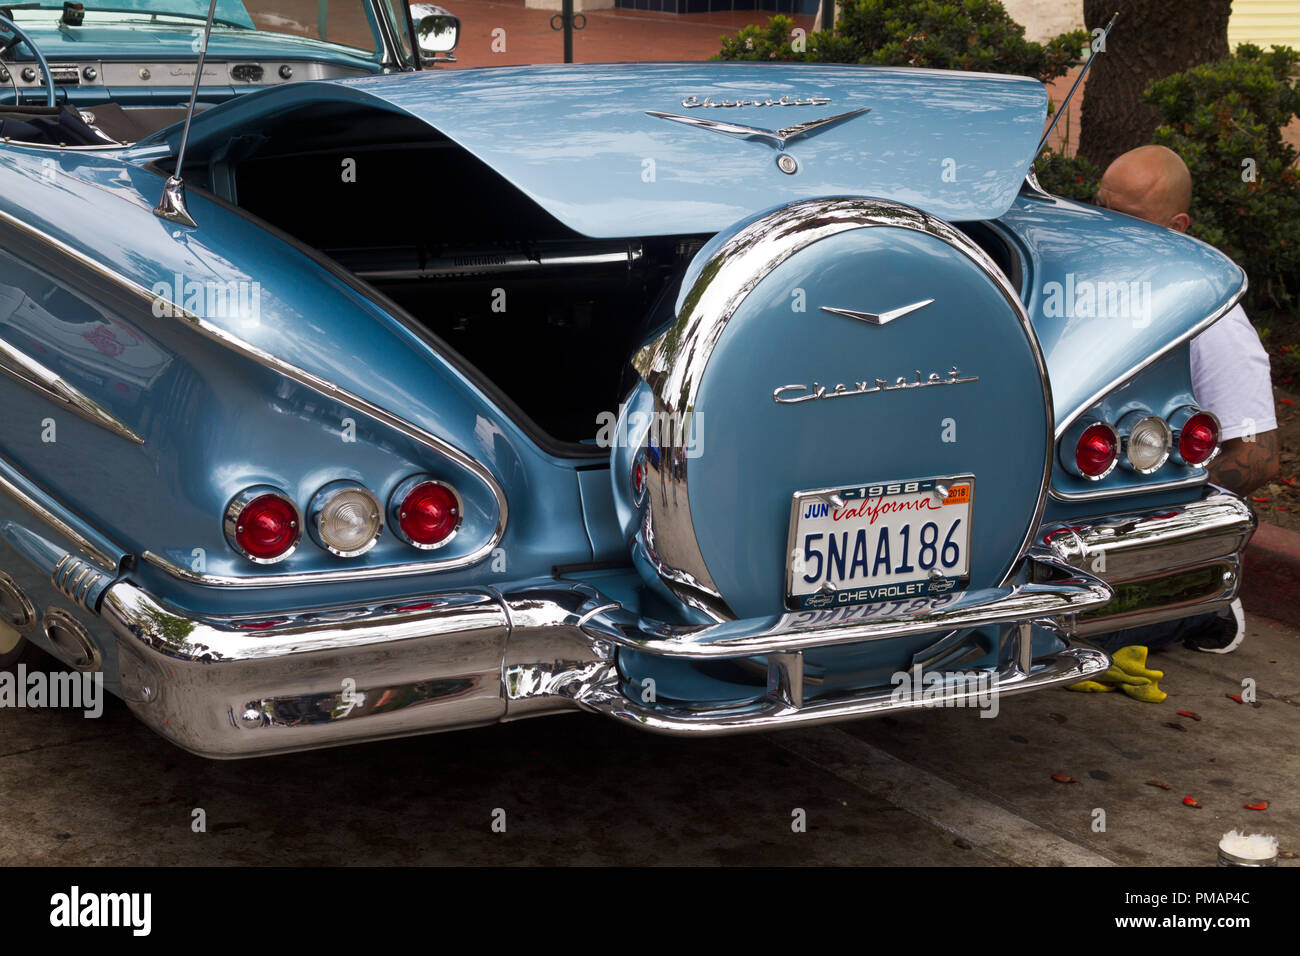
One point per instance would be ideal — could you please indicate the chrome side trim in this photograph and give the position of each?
(1148, 361)
(1129, 489)
(75, 579)
(673, 365)
(54, 522)
(22, 368)
(325, 388)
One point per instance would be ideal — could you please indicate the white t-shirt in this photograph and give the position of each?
(1230, 376)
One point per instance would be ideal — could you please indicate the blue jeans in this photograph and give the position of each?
(1153, 636)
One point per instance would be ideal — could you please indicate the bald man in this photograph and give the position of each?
(1230, 373)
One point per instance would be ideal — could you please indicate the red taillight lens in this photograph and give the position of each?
(1097, 451)
(1199, 439)
(429, 514)
(267, 528)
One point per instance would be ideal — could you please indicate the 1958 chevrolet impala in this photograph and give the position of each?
(375, 400)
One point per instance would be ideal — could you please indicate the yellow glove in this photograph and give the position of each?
(1128, 672)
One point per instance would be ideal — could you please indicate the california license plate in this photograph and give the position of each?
(879, 542)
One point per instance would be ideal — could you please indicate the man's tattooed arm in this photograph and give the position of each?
(1243, 465)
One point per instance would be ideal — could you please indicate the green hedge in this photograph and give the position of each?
(1225, 120)
(957, 35)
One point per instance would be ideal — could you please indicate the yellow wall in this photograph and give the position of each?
(1264, 23)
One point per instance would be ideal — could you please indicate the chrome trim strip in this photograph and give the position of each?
(673, 365)
(26, 370)
(54, 522)
(773, 137)
(1150, 360)
(329, 390)
(75, 579)
(289, 579)
(1129, 490)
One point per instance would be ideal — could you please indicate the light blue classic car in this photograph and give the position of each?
(375, 400)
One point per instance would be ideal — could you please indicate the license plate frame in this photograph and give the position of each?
(863, 592)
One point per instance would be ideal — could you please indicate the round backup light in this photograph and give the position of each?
(426, 512)
(1198, 439)
(1147, 442)
(345, 519)
(1096, 451)
(263, 524)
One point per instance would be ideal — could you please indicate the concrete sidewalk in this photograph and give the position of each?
(928, 788)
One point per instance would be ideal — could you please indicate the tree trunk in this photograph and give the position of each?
(1151, 39)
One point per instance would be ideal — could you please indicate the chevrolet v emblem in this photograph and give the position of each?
(878, 318)
(774, 137)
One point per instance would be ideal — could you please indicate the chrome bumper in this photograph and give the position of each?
(234, 687)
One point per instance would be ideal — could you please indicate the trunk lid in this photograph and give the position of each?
(583, 143)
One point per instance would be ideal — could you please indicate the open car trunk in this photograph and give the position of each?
(546, 262)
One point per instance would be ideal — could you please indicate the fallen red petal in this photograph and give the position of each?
(1062, 778)
(1260, 500)
(1236, 697)
(1262, 805)
(1159, 783)
(1191, 802)
(1188, 713)
(1287, 401)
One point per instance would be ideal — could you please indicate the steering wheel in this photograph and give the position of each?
(40, 61)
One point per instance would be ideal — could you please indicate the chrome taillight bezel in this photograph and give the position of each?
(230, 521)
(1128, 424)
(399, 496)
(321, 500)
(1178, 418)
(1069, 443)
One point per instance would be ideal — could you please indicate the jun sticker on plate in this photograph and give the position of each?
(879, 542)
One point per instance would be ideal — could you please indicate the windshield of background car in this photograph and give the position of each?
(345, 22)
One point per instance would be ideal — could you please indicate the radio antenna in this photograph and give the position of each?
(1096, 48)
(172, 204)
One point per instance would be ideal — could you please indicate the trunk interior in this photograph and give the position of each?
(550, 317)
